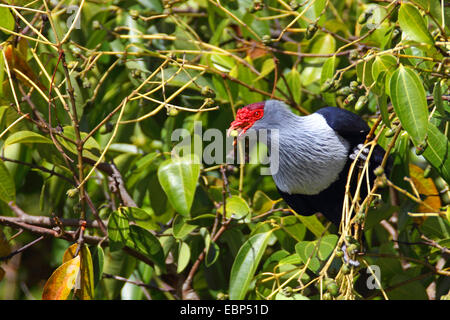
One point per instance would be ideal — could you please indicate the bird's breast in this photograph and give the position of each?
(309, 159)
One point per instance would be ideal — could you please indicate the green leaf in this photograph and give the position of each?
(314, 11)
(147, 244)
(437, 152)
(153, 5)
(184, 255)
(118, 263)
(142, 169)
(267, 67)
(26, 137)
(433, 7)
(364, 71)
(328, 70)
(98, 260)
(316, 250)
(327, 245)
(291, 259)
(7, 186)
(211, 248)
(414, 290)
(261, 203)
(7, 20)
(181, 227)
(384, 64)
(307, 251)
(178, 178)
(91, 148)
(141, 217)
(293, 227)
(246, 263)
(409, 101)
(222, 62)
(118, 229)
(437, 95)
(413, 25)
(212, 255)
(382, 104)
(247, 76)
(218, 32)
(236, 208)
(375, 215)
(313, 224)
(295, 84)
(321, 44)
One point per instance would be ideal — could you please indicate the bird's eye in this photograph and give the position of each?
(257, 113)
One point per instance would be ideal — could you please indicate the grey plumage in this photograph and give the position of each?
(308, 162)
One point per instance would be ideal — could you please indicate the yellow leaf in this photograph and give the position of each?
(425, 186)
(62, 281)
(84, 289)
(70, 253)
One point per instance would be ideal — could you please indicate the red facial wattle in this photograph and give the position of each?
(246, 117)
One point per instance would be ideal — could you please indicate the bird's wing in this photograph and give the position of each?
(348, 125)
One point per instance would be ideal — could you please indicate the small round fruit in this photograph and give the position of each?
(345, 269)
(173, 112)
(311, 30)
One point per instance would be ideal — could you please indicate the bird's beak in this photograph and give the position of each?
(240, 126)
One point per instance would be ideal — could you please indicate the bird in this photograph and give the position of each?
(315, 154)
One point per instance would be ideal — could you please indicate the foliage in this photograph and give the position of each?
(92, 91)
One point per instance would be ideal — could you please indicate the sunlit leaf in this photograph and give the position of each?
(7, 20)
(26, 137)
(321, 44)
(267, 67)
(261, 202)
(413, 24)
(184, 255)
(62, 281)
(425, 187)
(328, 70)
(246, 263)
(307, 253)
(182, 227)
(313, 224)
(326, 246)
(86, 290)
(409, 101)
(178, 178)
(236, 208)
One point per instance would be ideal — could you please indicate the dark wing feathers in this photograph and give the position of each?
(348, 125)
